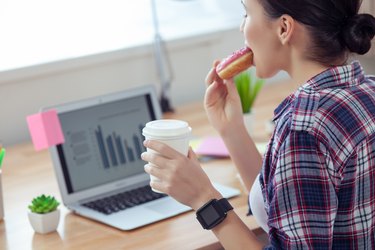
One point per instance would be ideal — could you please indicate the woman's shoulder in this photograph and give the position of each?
(335, 111)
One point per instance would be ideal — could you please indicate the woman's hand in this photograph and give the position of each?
(179, 176)
(222, 102)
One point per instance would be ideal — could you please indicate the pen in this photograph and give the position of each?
(2, 153)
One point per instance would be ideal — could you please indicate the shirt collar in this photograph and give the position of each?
(283, 106)
(335, 77)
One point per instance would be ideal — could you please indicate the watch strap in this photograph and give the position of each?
(224, 205)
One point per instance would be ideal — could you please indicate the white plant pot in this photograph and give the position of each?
(44, 223)
(249, 119)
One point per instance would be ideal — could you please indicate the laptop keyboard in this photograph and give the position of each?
(122, 201)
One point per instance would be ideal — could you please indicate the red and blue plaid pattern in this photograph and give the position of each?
(318, 174)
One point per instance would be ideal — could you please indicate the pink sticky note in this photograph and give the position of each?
(45, 129)
(212, 146)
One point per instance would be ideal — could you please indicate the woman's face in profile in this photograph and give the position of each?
(260, 33)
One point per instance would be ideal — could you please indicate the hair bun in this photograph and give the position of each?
(358, 33)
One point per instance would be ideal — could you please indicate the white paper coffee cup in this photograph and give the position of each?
(174, 133)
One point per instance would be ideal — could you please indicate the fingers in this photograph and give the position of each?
(212, 76)
(160, 186)
(160, 154)
(192, 155)
(153, 170)
(154, 159)
(231, 86)
(157, 182)
(215, 63)
(161, 148)
(232, 89)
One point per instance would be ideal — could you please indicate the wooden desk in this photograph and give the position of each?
(28, 173)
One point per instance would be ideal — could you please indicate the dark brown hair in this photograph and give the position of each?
(335, 26)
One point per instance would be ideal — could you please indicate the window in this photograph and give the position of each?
(40, 31)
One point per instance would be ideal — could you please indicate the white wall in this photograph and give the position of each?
(24, 91)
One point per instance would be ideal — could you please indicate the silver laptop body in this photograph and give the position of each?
(101, 156)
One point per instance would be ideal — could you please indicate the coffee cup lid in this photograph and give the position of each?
(166, 128)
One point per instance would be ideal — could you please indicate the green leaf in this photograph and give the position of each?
(248, 88)
(43, 204)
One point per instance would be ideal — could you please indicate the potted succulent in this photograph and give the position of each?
(44, 215)
(248, 87)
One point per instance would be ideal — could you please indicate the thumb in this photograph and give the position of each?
(231, 88)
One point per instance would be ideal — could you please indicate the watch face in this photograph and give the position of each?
(210, 215)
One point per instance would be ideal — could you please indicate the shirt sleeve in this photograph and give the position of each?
(301, 198)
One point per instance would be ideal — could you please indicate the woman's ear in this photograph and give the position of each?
(285, 29)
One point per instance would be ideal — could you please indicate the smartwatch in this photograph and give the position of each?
(213, 212)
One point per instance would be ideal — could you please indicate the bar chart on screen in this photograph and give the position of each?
(104, 143)
(103, 152)
(116, 150)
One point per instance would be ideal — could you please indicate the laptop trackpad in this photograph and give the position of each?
(167, 206)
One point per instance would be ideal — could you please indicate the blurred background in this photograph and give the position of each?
(54, 51)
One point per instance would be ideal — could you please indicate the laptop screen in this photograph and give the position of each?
(103, 142)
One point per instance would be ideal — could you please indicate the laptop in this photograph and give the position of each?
(99, 170)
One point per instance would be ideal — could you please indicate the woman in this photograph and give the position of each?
(318, 174)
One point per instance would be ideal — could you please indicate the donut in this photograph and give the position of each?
(234, 64)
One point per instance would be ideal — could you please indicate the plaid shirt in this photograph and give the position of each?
(318, 174)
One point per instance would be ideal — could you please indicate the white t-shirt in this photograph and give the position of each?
(257, 205)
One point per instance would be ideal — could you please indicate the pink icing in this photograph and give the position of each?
(237, 54)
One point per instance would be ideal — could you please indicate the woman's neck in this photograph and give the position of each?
(302, 70)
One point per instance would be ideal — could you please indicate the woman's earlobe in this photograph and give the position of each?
(282, 35)
(283, 38)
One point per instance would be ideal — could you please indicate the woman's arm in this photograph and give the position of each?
(234, 234)
(224, 111)
(243, 153)
(183, 179)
